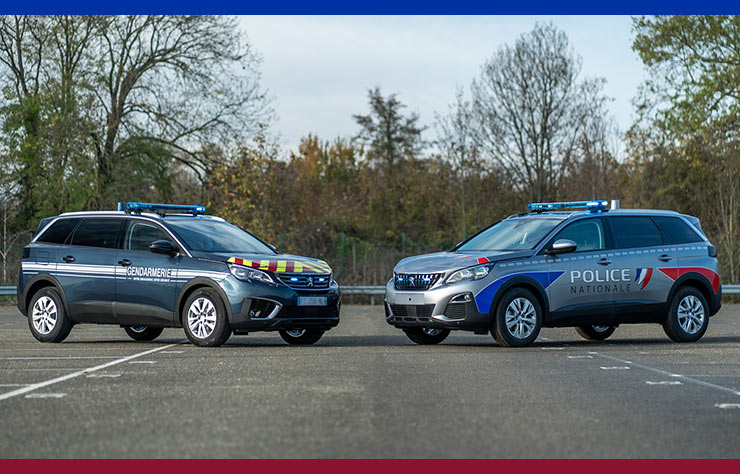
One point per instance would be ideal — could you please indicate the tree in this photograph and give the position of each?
(532, 107)
(389, 136)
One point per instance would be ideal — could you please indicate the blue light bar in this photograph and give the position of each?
(146, 206)
(595, 205)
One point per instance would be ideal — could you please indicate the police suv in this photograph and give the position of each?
(151, 266)
(555, 266)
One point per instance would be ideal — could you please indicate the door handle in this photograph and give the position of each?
(665, 258)
(68, 259)
(125, 262)
(604, 261)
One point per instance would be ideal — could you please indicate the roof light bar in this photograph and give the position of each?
(595, 205)
(162, 208)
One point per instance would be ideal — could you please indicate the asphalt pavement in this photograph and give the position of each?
(366, 391)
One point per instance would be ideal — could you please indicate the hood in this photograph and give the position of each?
(281, 263)
(440, 262)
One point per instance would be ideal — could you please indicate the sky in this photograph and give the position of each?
(318, 68)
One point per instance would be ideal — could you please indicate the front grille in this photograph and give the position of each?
(308, 312)
(415, 281)
(306, 281)
(260, 308)
(455, 311)
(410, 313)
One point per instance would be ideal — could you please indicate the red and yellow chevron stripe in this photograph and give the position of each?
(284, 266)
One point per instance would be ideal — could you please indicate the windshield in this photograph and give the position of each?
(522, 233)
(201, 235)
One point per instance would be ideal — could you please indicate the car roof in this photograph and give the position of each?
(608, 212)
(152, 215)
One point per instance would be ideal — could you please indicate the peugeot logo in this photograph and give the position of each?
(309, 282)
(411, 281)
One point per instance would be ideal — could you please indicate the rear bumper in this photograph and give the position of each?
(715, 302)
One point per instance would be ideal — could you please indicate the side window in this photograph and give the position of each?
(141, 234)
(58, 232)
(676, 231)
(588, 234)
(632, 232)
(97, 233)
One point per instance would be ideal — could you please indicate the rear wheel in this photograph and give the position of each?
(204, 319)
(143, 333)
(688, 316)
(518, 319)
(47, 319)
(301, 336)
(595, 333)
(427, 336)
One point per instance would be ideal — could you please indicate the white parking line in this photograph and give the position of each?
(172, 352)
(580, 357)
(46, 383)
(62, 358)
(620, 367)
(143, 362)
(727, 405)
(46, 395)
(14, 384)
(682, 377)
(102, 376)
(664, 382)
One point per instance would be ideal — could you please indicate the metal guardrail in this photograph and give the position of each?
(374, 291)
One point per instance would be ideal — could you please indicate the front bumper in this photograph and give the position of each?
(262, 307)
(444, 307)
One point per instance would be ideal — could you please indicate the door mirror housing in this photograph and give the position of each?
(562, 246)
(163, 246)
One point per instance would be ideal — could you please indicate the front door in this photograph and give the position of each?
(86, 269)
(145, 287)
(582, 293)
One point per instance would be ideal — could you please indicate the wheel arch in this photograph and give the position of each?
(42, 280)
(526, 283)
(196, 284)
(694, 280)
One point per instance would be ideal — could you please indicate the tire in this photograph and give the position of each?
(143, 333)
(47, 319)
(204, 319)
(595, 332)
(523, 312)
(688, 316)
(427, 336)
(301, 336)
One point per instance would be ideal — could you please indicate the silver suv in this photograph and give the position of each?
(555, 266)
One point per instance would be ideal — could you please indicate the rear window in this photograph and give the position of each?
(97, 233)
(676, 231)
(58, 232)
(632, 232)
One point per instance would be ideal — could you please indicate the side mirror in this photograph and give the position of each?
(561, 246)
(163, 247)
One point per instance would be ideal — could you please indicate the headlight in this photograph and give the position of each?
(247, 274)
(472, 273)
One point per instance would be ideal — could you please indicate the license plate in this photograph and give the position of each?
(410, 298)
(312, 301)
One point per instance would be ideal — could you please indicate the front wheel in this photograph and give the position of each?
(595, 333)
(427, 336)
(301, 336)
(204, 319)
(688, 316)
(518, 319)
(143, 333)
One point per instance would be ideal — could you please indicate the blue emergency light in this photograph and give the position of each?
(162, 208)
(595, 205)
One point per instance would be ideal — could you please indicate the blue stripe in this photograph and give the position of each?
(484, 298)
(637, 277)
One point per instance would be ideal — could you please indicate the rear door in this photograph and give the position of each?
(145, 287)
(640, 251)
(86, 269)
(583, 281)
